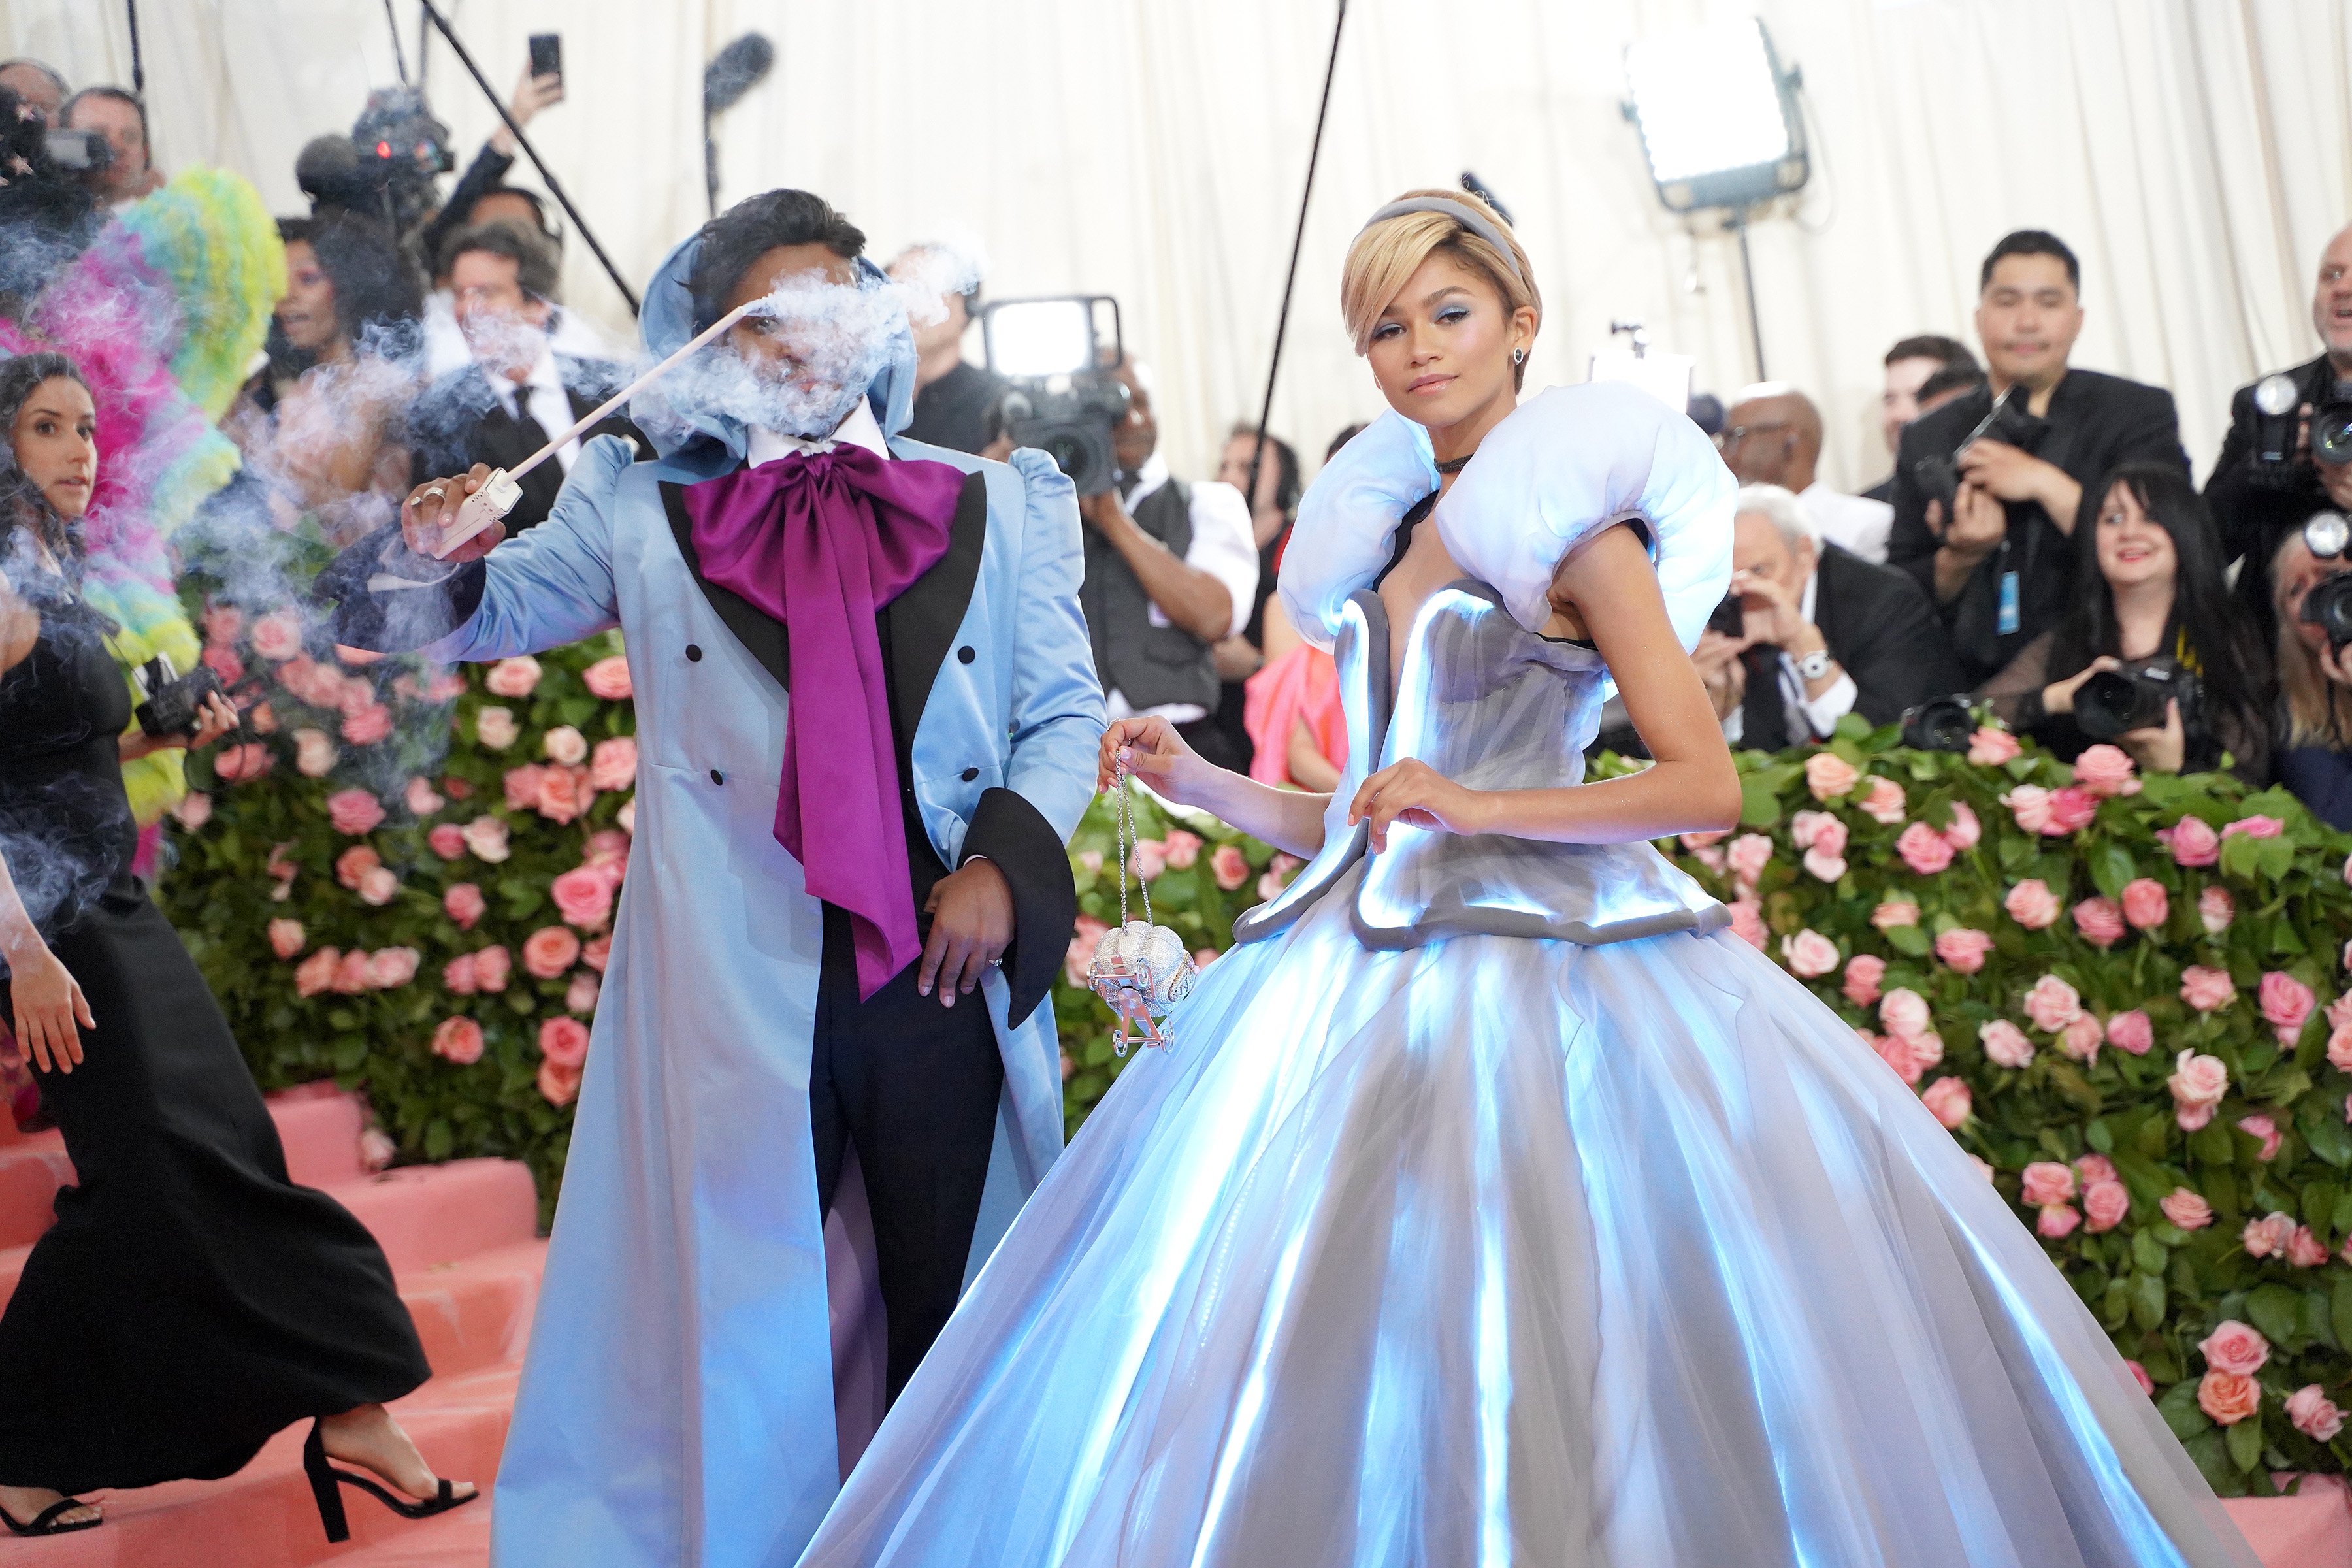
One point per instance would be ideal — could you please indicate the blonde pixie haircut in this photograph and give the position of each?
(1388, 253)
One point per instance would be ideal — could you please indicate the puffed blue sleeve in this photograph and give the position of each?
(1058, 701)
(1348, 519)
(1570, 463)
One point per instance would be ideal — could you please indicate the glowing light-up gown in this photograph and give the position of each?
(1496, 1204)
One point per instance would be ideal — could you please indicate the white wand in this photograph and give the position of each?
(500, 492)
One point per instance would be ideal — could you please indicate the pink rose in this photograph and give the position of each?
(1229, 866)
(2340, 1049)
(242, 765)
(2005, 1044)
(378, 886)
(376, 1149)
(2100, 922)
(1862, 974)
(1885, 801)
(351, 975)
(1988, 747)
(354, 863)
(1924, 849)
(549, 950)
(1716, 836)
(2206, 989)
(491, 968)
(192, 810)
(367, 725)
(2145, 904)
(1949, 1101)
(563, 1041)
(2096, 1168)
(1983, 1169)
(2047, 1181)
(392, 967)
(1710, 856)
(1827, 867)
(2235, 1347)
(580, 997)
(608, 851)
(2269, 1236)
(1180, 848)
(1080, 958)
(2261, 1127)
(2052, 1004)
(517, 677)
(443, 684)
(2082, 1039)
(2105, 771)
(2287, 1004)
(1903, 1012)
(458, 1040)
(447, 839)
(464, 903)
(316, 972)
(223, 623)
(614, 765)
(2302, 1248)
(2186, 1209)
(2192, 842)
(1806, 828)
(1894, 912)
(2071, 810)
(1747, 922)
(2029, 805)
(583, 897)
(2057, 1222)
(2031, 904)
(1963, 949)
(2215, 909)
(277, 635)
(1828, 775)
(2313, 1414)
(458, 975)
(2255, 828)
(2131, 1032)
(558, 1084)
(286, 938)
(421, 799)
(609, 678)
(313, 685)
(2228, 1397)
(598, 951)
(2106, 1205)
(1910, 1055)
(2198, 1084)
(224, 662)
(487, 837)
(564, 746)
(494, 728)
(314, 753)
(1809, 954)
(627, 816)
(560, 793)
(2139, 1375)
(1151, 859)
(354, 811)
(1204, 956)
(1748, 855)
(521, 786)
(1965, 829)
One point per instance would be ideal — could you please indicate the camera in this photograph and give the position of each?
(1059, 356)
(1940, 724)
(2276, 461)
(80, 151)
(175, 702)
(1729, 617)
(401, 148)
(2115, 702)
(2009, 422)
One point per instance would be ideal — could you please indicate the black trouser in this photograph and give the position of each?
(914, 1087)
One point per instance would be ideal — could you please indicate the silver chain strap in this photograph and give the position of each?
(1124, 823)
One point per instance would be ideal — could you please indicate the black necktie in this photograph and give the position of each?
(1764, 711)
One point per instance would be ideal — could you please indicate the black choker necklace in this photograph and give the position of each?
(1455, 465)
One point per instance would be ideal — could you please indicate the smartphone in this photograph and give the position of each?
(547, 54)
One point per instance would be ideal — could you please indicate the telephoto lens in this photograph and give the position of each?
(1940, 724)
(2328, 606)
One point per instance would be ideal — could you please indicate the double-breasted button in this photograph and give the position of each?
(970, 774)
(717, 777)
(693, 653)
(965, 655)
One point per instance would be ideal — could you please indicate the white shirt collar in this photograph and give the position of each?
(1147, 479)
(859, 429)
(1805, 600)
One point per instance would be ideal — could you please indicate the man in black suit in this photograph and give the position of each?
(2255, 509)
(1825, 634)
(517, 393)
(1999, 556)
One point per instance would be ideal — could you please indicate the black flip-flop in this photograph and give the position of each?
(46, 1522)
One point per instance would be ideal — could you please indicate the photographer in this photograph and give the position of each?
(953, 397)
(1910, 364)
(2314, 723)
(115, 113)
(1272, 511)
(37, 86)
(1172, 570)
(2153, 654)
(2267, 479)
(1992, 540)
(1774, 438)
(481, 194)
(1822, 633)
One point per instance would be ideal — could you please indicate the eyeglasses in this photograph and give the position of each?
(1738, 432)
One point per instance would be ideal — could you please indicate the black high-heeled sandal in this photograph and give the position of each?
(46, 1522)
(328, 1480)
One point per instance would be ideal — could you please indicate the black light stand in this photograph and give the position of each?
(1738, 223)
(555, 186)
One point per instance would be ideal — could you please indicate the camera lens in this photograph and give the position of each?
(2328, 606)
(2331, 434)
(2107, 705)
(1940, 724)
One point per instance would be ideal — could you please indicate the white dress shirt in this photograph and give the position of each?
(543, 396)
(1857, 523)
(857, 428)
(1224, 545)
(1809, 718)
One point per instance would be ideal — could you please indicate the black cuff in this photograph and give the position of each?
(389, 599)
(1015, 836)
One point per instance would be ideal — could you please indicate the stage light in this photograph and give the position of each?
(1718, 115)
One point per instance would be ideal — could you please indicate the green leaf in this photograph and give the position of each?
(1759, 805)
(2180, 1411)
(2112, 868)
(2148, 1302)
(2329, 1139)
(2276, 1311)
(2340, 1308)
(2213, 1145)
(437, 1140)
(2147, 1254)
(1911, 941)
(2245, 1439)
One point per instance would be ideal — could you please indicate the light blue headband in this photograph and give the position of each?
(1461, 212)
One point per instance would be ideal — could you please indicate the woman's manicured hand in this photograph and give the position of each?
(1417, 794)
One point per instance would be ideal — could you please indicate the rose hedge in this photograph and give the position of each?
(2125, 995)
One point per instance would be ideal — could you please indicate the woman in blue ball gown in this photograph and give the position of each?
(1494, 1203)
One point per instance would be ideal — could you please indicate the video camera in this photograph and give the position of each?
(2278, 461)
(1065, 401)
(2009, 421)
(401, 146)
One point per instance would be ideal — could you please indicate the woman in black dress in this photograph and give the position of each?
(190, 1302)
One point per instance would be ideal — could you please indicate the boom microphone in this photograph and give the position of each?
(736, 70)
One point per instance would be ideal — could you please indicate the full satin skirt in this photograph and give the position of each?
(1500, 1250)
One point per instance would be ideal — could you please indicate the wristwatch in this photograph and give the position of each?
(1814, 665)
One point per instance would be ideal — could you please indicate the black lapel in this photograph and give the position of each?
(923, 619)
(761, 638)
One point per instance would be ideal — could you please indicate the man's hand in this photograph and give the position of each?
(431, 508)
(1778, 622)
(531, 94)
(1103, 513)
(971, 925)
(2010, 473)
(1719, 669)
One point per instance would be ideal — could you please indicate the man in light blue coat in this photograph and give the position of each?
(767, 1007)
